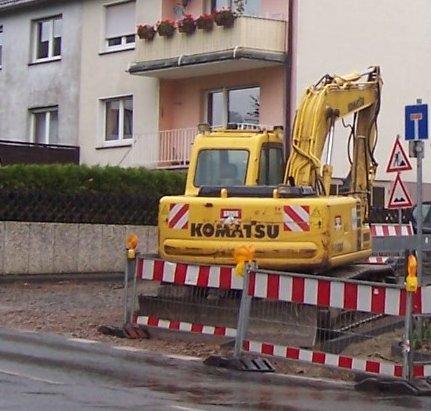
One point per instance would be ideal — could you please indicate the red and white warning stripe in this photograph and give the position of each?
(287, 352)
(152, 321)
(377, 259)
(188, 274)
(332, 293)
(296, 218)
(391, 230)
(178, 217)
(334, 360)
(323, 292)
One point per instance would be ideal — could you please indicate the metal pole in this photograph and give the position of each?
(244, 313)
(406, 346)
(400, 219)
(420, 155)
(126, 290)
(419, 247)
(129, 272)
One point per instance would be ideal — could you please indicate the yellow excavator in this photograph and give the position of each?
(239, 191)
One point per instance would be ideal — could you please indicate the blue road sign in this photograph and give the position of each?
(416, 122)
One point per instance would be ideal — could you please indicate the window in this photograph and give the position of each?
(1, 44)
(251, 7)
(120, 26)
(45, 125)
(47, 34)
(271, 170)
(118, 119)
(221, 167)
(241, 106)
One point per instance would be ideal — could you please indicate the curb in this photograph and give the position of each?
(55, 278)
(136, 357)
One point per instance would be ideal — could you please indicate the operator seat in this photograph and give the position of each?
(229, 175)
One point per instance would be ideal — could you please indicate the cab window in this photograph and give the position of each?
(271, 168)
(221, 167)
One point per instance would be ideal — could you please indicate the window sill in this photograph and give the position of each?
(119, 144)
(117, 49)
(43, 61)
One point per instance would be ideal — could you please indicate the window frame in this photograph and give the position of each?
(225, 101)
(121, 141)
(211, 6)
(124, 43)
(36, 23)
(47, 111)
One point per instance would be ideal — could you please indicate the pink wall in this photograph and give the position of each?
(275, 7)
(182, 101)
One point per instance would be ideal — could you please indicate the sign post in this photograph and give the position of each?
(416, 130)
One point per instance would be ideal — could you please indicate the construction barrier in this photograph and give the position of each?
(315, 320)
(378, 305)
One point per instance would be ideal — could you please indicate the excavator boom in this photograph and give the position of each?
(333, 98)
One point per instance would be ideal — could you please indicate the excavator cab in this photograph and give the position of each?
(230, 157)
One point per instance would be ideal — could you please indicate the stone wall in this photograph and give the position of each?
(44, 248)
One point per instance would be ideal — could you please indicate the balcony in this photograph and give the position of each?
(252, 42)
(14, 152)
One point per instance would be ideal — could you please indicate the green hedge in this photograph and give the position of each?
(96, 179)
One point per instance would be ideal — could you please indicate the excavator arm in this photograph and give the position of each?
(331, 99)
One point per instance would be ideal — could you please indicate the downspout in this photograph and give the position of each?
(289, 76)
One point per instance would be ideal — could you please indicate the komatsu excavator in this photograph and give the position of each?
(238, 190)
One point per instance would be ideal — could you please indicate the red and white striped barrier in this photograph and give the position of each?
(323, 292)
(188, 274)
(377, 259)
(152, 321)
(391, 230)
(290, 353)
(332, 293)
(334, 360)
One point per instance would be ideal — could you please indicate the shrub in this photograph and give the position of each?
(72, 178)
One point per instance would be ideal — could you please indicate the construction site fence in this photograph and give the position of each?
(349, 325)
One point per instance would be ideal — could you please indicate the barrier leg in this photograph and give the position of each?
(406, 345)
(244, 313)
(129, 277)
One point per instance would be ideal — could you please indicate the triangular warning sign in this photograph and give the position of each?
(398, 160)
(399, 197)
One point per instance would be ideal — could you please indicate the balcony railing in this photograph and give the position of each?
(267, 38)
(163, 149)
(14, 152)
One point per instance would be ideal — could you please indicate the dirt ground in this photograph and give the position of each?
(77, 309)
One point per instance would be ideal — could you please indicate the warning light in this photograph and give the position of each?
(243, 254)
(411, 280)
(132, 243)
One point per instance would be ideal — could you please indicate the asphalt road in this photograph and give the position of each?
(41, 371)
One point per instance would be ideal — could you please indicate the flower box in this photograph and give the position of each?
(187, 24)
(166, 28)
(146, 31)
(224, 18)
(205, 22)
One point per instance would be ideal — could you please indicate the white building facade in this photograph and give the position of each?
(339, 37)
(40, 46)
